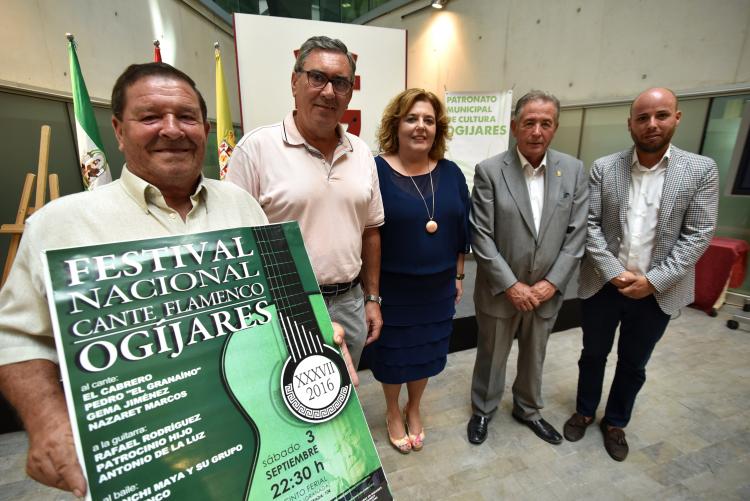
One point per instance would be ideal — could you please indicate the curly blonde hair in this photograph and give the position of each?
(398, 108)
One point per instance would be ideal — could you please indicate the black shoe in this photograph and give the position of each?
(543, 429)
(477, 428)
(614, 441)
(575, 427)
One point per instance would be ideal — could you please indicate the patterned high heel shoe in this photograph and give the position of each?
(403, 444)
(416, 441)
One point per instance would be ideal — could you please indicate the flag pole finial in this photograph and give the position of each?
(69, 36)
(216, 45)
(156, 43)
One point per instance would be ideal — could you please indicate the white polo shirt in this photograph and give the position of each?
(333, 203)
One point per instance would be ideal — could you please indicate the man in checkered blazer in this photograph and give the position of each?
(652, 215)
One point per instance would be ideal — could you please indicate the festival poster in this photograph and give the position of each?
(479, 123)
(202, 367)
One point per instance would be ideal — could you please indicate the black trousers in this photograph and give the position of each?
(642, 324)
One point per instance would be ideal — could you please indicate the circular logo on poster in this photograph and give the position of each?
(317, 387)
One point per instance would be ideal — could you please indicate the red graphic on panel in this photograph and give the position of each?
(351, 118)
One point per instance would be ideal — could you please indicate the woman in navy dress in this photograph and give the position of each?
(423, 242)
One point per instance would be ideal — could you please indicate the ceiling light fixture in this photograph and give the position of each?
(436, 4)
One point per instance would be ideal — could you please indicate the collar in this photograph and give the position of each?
(636, 164)
(291, 134)
(145, 193)
(525, 162)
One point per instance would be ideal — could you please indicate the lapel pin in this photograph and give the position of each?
(558, 174)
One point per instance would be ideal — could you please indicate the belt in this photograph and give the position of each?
(336, 289)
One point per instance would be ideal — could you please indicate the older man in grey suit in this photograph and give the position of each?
(528, 224)
(653, 213)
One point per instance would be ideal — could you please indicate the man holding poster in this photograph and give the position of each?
(159, 118)
(307, 168)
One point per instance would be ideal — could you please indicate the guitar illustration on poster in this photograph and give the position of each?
(308, 387)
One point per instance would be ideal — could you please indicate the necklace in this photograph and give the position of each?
(431, 226)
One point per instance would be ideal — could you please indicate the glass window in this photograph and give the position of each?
(352, 9)
(690, 131)
(241, 6)
(330, 10)
(721, 135)
(568, 133)
(605, 131)
(339, 11)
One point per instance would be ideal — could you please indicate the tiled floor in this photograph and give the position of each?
(689, 437)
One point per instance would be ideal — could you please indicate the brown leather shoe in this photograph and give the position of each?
(614, 441)
(575, 427)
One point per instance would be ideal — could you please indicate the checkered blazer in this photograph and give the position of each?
(687, 220)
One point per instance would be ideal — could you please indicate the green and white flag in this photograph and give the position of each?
(94, 168)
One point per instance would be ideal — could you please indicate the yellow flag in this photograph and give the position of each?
(224, 129)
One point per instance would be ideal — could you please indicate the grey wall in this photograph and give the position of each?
(111, 34)
(581, 50)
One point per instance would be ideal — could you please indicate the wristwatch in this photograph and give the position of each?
(460, 276)
(374, 299)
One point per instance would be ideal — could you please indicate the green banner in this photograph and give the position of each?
(203, 367)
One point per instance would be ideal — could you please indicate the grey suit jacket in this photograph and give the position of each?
(687, 220)
(504, 240)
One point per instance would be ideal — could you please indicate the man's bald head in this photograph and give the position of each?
(656, 93)
(654, 117)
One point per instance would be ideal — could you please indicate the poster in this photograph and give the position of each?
(480, 124)
(202, 367)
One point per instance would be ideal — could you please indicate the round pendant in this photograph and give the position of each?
(431, 226)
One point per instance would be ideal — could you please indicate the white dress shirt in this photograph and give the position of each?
(644, 200)
(535, 184)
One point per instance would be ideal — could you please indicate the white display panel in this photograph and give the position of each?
(265, 57)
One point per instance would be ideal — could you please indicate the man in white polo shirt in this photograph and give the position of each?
(307, 168)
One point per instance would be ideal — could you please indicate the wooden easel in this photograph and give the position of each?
(16, 229)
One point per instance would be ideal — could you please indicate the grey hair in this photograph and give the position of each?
(536, 95)
(322, 42)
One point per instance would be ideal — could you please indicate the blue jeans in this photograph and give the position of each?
(642, 324)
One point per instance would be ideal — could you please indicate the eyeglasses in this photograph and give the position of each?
(318, 80)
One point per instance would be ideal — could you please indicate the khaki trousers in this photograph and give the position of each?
(348, 309)
(495, 339)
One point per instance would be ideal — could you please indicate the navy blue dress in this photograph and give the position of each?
(418, 271)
